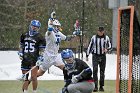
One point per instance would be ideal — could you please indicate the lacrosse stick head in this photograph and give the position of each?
(53, 14)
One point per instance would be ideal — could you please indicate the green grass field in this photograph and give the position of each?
(46, 86)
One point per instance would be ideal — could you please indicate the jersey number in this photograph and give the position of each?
(58, 39)
(29, 47)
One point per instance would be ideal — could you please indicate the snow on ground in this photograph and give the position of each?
(10, 67)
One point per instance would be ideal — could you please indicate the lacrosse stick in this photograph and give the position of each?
(23, 77)
(30, 70)
(38, 63)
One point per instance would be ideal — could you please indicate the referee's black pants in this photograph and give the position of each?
(101, 61)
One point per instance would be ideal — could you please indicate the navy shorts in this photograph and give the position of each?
(27, 64)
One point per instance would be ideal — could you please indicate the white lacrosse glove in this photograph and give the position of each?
(76, 78)
(39, 61)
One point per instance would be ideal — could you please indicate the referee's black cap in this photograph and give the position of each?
(101, 28)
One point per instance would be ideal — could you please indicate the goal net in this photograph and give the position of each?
(128, 51)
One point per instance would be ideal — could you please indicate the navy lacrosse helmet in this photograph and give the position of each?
(68, 54)
(35, 23)
(34, 27)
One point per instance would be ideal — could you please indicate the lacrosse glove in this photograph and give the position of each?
(20, 55)
(39, 61)
(76, 78)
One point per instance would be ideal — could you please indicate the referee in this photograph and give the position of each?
(98, 46)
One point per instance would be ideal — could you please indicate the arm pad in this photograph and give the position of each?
(85, 73)
(50, 29)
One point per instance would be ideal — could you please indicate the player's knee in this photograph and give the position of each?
(93, 86)
(40, 74)
(70, 88)
(34, 78)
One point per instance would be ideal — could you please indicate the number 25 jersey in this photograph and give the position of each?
(31, 45)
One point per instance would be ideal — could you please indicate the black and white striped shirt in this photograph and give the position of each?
(98, 44)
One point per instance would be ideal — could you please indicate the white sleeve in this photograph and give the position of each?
(63, 37)
(108, 43)
(50, 35)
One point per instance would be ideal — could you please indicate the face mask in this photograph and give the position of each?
(70, 65)
(32, 33)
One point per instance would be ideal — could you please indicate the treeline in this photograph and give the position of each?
(15, 17)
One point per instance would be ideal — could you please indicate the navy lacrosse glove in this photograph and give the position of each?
(20, 55)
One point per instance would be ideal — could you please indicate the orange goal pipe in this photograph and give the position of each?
(131, 49)
(118, 53)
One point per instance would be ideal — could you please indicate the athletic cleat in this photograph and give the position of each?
(95, 89)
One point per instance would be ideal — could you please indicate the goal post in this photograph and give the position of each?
(128, 51)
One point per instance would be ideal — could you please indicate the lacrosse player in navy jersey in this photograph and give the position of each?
(31, 44)
(77, 74)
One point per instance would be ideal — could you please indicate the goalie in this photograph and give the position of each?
(77, 74)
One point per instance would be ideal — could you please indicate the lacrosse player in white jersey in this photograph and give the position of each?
(51, 56)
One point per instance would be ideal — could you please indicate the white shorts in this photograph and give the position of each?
(50, 60)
